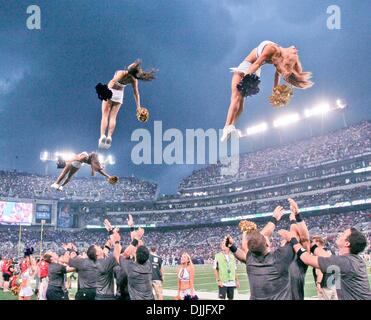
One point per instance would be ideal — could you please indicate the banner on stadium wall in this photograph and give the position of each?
(43, 212)
(16, 212)
(66, 218)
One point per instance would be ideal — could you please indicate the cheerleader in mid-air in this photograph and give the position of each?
(246, 79)
(112, 96)
(72, 166)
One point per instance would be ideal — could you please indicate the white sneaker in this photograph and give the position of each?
(54, 186)
(108, 142)
(60, 188)
(227, 131)
(102, 142)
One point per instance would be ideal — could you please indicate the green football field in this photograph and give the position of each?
(205, 284)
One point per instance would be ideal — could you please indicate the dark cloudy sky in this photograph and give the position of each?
(47, 76)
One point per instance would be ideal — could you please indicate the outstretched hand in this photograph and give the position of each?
(293, 206)
(228, 241)
(107, 225)
(130, 221)
(278, 213)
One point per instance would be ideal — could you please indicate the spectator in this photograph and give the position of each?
(157, 273)
(225, 270)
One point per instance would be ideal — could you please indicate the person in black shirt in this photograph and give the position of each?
(87, 271)
(350, 271)
(157, 273)
(298, 269)
(56, 273)
(139, 271)
(105, 264)
(122, 279)
(325, 288)
(267, 270)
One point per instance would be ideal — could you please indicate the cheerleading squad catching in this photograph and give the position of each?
(116, 271)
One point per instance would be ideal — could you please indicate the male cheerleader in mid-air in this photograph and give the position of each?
(246, 79)
(72, 166)
(112, 96)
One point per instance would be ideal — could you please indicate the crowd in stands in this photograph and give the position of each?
(202, 243)
(23, 185)
(243, 206)
(337, 145)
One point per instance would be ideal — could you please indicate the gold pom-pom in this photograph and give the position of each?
(142, 114)
(113, 180)
(281, 96)
(247, 226)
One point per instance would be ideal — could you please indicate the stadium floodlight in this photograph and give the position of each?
(111, 160)
(257, 128)
(340, 104)
(101, 158)
(44, 156)
(65, 155)
(317, 110)
(286, 120)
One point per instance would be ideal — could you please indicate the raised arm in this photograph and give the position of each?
(302, 227)
(240, 254)
(115, 237)
(269, 227)
(136, 236)
(305, 256)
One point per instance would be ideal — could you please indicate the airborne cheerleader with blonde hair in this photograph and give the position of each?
(246, 79)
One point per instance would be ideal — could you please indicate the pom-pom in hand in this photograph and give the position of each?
(281, 96)
(142, 114)
(113, 180)
(247, 226)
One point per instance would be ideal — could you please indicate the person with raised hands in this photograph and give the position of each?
(326, 289)
(105, 288)
(297, 268)
(267, 270)
(348, 268)
(138, 268)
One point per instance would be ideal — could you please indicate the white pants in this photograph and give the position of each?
(42, 288)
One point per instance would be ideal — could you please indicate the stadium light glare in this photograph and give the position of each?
(286, 120)
(340, 104)
(44, 156)
(317, 110)
(257, 128)
(101, 158)
(65, 155)
(111, 160)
